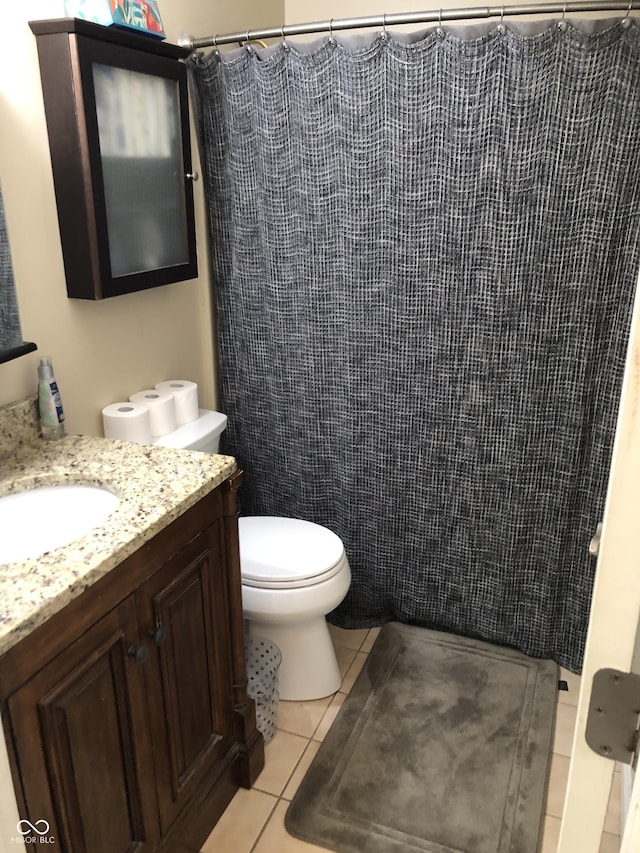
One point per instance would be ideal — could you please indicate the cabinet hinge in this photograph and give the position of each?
(614, 715)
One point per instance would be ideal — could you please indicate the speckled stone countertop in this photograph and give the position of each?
(155, 485)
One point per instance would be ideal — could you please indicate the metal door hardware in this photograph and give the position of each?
(614, 715)
(594, 545)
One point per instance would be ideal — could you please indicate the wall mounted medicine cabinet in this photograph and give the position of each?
(117, 118)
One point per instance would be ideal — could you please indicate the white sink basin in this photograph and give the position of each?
(41, 519)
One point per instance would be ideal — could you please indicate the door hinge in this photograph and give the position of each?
(614, 715)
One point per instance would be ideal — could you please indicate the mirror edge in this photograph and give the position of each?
(15, 352)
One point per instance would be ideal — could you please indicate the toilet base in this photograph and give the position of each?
(309, 669)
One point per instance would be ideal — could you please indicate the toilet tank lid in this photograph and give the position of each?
(279, 549)
(207, 425)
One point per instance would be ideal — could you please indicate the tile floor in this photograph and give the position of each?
(254, 820)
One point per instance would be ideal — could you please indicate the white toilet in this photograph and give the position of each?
(294, 572)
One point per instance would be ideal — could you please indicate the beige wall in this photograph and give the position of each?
(297, 11)
(102, 351)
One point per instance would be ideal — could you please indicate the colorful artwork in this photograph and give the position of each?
(141, 15)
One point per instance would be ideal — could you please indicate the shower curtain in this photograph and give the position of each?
(425, 251)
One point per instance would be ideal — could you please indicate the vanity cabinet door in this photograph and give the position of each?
(183, 610)
(80, 728)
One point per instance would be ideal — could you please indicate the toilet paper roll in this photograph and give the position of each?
(127, 422)
(186, 398)
(162, 410)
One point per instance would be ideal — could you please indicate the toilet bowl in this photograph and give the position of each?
(294, 573)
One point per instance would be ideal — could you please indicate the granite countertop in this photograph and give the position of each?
(155, 485)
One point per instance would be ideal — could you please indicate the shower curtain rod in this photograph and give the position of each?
(395, 19)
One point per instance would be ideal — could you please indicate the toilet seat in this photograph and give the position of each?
(287, 553)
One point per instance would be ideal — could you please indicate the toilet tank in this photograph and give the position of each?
(202, 434)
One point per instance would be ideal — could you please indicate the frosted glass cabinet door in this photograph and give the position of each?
(116, 104)
(141, 151)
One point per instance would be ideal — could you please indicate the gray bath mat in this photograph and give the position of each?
(442, 746)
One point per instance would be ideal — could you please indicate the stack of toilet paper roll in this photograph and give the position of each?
(185, 398)
(152, 413)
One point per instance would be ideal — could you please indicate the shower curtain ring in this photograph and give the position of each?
(562, 24)
(440, 31)
(501, 27)
(331, 38)
(384, 27)
(626, 21)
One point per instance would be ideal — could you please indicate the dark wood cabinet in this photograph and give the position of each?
(127, 719)
(116, 105)
(80, 723)
(183, 612)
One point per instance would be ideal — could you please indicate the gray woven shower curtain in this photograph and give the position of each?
(425, 253)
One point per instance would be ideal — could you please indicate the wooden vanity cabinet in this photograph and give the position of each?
(183, 611)
(126, 715)
(83, 745)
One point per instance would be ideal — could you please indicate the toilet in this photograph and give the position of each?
(294, 572)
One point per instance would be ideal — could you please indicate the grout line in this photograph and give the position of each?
(291, 775)
(265, 824)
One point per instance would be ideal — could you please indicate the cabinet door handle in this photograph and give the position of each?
(138, 654)
(157, 634)
(192, 176)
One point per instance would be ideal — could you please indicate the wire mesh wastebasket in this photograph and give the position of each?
(263, 663)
